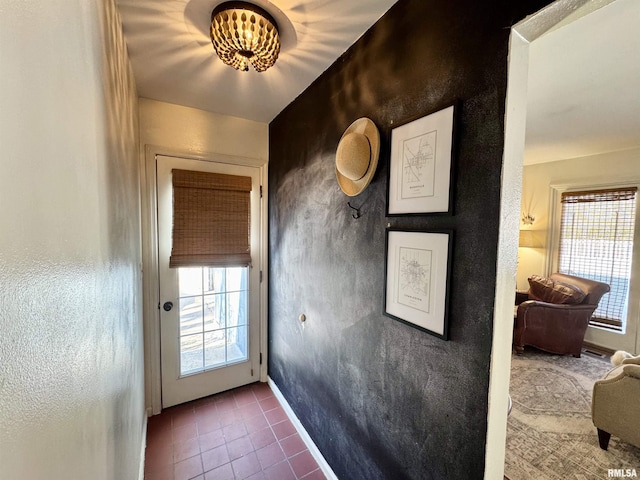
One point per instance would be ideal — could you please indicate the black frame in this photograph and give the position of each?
(449, 233)
(454, 155)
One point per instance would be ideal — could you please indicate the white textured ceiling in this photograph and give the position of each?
(584, 86)
(173, 59)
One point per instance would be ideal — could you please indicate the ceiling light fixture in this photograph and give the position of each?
(243, 34)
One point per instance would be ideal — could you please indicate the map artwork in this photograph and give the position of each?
(415, 278)
(418, 166)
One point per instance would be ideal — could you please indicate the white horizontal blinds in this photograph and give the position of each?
(596, 242)
(211, 220)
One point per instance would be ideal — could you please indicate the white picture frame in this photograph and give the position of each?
(417, 275)
(420, 165)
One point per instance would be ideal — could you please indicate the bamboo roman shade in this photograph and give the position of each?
(596, 242)
(211, 220)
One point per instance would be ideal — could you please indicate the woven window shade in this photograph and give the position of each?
(211, 220)
(596, 242)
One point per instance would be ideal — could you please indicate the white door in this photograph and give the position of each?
(209, 316)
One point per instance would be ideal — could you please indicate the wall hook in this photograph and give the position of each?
(354, 215)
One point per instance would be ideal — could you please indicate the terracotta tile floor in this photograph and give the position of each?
(239, 434)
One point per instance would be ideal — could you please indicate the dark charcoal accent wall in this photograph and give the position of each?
(383, 400)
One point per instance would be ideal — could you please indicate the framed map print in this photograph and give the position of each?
(420, 167)
(417, 279)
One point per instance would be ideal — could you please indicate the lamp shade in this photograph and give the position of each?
(529, 239)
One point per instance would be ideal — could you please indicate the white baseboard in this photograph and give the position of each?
(143, 449)
(313, 449)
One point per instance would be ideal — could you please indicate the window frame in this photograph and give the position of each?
(553, 235)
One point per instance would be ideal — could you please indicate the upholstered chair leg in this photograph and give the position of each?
(603, 439)
(577, 349)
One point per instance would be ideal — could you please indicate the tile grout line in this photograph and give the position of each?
(188, 418)
(306, 438)
(279, 440)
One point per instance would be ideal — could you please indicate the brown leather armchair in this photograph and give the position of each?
(557, 328)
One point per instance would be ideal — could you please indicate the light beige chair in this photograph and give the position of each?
(615, 408)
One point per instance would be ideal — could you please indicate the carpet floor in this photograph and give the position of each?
(550, 435)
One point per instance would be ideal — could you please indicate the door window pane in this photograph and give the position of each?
(236, 309)
(236, 344)
(190, 315)
(191, 350)
(215, 312)
(215, 349)
(214, 279)
(213, 317)
(190, 281)
(236, 279)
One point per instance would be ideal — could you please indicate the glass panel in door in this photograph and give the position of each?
(213, 317)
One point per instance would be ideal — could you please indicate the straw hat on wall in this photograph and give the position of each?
(357, 156)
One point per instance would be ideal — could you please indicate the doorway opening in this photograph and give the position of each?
(554, 16)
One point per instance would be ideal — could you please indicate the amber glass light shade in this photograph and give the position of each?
(244, 34)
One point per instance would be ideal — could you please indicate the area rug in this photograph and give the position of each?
(550, 434)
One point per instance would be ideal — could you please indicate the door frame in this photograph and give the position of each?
(522, 34)
(150, 273)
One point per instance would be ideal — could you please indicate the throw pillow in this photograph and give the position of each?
(538, 286)
(547, 290)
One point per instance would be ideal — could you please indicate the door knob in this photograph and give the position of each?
(167, 306)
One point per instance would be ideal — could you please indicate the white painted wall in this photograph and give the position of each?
(71, 364)
(190, 130)
(598, 170)
(186, 132)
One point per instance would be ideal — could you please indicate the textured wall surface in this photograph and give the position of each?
(192, 130)
(71, 366)
(380, 399)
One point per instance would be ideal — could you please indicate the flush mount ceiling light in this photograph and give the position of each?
(243, 34)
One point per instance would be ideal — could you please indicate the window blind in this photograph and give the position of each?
(596, 242)
(211, 219)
